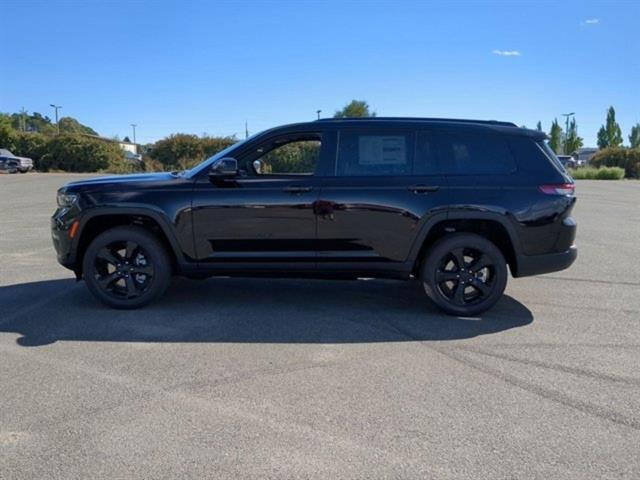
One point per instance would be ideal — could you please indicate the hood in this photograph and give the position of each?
(138, 180)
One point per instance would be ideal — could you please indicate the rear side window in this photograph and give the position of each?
(372, 153)
(474, 154)
(426, 161)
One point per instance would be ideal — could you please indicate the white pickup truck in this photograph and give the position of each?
(10, 163)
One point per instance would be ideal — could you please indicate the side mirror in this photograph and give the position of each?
(224, 168)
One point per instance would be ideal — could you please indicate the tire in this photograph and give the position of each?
(464, 274)
(126, 267)
(23, 170)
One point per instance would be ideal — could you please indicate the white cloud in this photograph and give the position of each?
(591, 21)
(507, 53)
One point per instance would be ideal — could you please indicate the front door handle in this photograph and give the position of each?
(423, 188)
(297, 189)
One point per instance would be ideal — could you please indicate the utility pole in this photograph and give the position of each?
(246, 129)
(23, 122)
(56, 107)
(566, 130)
(318, 112)
(133, 125)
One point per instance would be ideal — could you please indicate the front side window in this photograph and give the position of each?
(366, 154)
(299, 157)
(296, 154)
(475, 154)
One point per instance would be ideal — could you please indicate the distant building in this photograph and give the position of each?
(585, 154)
(130, 149)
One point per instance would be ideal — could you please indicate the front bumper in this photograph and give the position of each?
(62, 242)
(551, 262)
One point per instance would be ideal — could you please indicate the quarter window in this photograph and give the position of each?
(475, 154)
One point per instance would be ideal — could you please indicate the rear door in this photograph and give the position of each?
(384, 186)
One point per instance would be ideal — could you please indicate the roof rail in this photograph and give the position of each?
(420, 119)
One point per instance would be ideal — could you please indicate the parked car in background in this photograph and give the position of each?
(8, 165)
(21, 164)
(567, 161)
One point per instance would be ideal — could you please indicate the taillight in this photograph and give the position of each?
(560, 189)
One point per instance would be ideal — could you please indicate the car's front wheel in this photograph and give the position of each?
(464, 274)
(126, 267)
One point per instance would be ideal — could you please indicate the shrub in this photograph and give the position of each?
(182, 151)
(602, 173)
(31, 145)
(627, 158)
(74, 153)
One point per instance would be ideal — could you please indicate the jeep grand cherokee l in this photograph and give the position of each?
(451, 203)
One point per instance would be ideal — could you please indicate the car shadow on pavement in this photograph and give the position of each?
(247, 311)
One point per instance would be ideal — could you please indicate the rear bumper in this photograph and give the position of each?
(539, 264)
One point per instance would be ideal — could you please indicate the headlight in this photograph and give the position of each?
(66, 199)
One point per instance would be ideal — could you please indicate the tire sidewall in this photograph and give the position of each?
(466, 240)
(157, 256)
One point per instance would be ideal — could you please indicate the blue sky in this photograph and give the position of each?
(200, 67)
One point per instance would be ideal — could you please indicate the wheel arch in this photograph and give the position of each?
(94, 223)
(494, 227)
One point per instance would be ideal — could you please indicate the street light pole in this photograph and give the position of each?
(318, 112)
(56, 108)
(133, 125)
(566, 130)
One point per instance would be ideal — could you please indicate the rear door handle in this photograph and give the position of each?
(423, 188)
(297, 189)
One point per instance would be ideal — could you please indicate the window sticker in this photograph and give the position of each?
(382, 150)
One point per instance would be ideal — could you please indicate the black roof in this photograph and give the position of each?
(418, 119)
(507, 128)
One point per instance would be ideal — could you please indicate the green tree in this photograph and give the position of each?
(610, 135)
(8, 137)
(539, 126)
(355, 109)
(634, 138)
(555, 137)
(71, 125)
(572, 141)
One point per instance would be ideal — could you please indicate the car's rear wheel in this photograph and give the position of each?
(464, 274)
(126, 267)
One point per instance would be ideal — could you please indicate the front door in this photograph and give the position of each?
(263, 218)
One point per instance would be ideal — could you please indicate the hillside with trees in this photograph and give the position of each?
(38, 123)
(78, 149)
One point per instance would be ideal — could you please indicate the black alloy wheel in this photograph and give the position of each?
(126, 267)
(123, 269)
(464, 274)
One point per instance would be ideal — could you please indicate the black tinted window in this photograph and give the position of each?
(474, 154)
(368, 153)
(426, 162)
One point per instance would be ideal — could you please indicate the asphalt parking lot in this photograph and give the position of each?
(235, 378)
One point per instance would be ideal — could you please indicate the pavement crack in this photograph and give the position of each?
(585, 372)
(589, 280)
(546, 393)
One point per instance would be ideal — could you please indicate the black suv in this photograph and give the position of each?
(448, 202)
